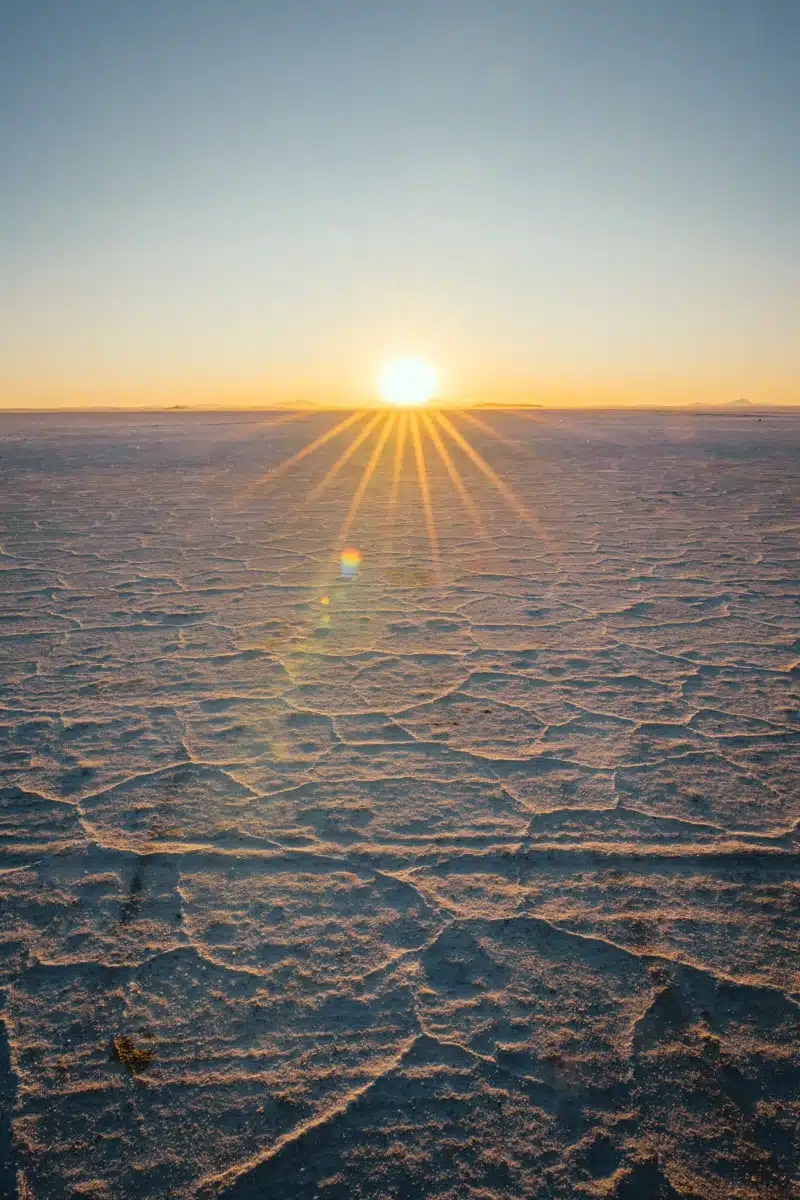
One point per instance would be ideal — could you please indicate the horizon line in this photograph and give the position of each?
(311, 407)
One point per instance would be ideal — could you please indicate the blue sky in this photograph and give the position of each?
(572, 201)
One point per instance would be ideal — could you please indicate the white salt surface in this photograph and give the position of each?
(478, 881)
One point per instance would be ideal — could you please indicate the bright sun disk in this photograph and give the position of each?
(407, 382)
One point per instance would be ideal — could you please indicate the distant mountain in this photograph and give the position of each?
(735, 404)
(741, 408)
(501, 404)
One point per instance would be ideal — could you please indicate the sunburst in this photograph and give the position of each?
(432, 437)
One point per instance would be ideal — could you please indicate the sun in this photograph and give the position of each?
(407, 382)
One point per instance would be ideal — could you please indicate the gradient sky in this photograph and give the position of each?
(574, 201)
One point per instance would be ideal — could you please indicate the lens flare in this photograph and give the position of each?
(349, 562)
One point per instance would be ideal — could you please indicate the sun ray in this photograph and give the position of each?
(424, 489)
(397, 467)
(483, 466)
(312, 446)
(487, 428)
(543, 465)
(281, 419)
(369, 469)
(455, 478)
(519, 447)
(399, 454)
(246, 432)
(343, 458)
(544, 418)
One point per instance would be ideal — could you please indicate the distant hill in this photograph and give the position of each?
(726, 404)
(739, 408)
(502, 404)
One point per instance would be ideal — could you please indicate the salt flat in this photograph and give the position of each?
(473, 875)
